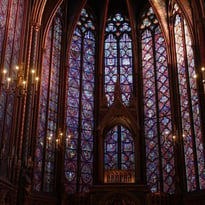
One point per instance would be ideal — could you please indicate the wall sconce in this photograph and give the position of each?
(195, 76)
(59, 139)
(67, 140)
(20, 77)
(174, 137)
(16, 79)
(13, 81)
(57, 143)
(34, 79)
(5, 81)
(50, 139)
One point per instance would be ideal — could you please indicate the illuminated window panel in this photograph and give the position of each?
(189, 106)
(157, 106)
(80, 107)
(118, 58)
(119, 150)
(45, 152)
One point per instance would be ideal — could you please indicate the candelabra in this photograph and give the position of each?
(177, 140)
(13, 88)
(59, 139)
(202, 78)
(15, 79)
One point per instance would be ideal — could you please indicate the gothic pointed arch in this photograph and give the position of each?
(118, 113)
(46, 18)
(37, 11)
(160, 7)
(118, 130)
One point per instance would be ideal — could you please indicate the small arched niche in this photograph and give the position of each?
(119, 155)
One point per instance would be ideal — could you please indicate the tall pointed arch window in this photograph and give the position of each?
(80, 106)
(157, 106)
(11, 43)
(118, 60)
(189, 104)
(45, 151)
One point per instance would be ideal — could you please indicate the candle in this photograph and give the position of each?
(8, 82)
(4, 74)
(32, 73)
(24, 84)
(203, 74)
(17, 67)
(57, 143)
(50, 139)
(36, 84)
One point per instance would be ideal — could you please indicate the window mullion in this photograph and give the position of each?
(79, 151)
(46, 127)
(190, 103)
(160, 179)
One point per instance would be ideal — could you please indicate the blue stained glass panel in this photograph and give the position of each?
(45, 149)
(118, 63)
(157, 112)
(80, 106)
(189, 106)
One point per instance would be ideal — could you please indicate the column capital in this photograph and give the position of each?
(36, 26)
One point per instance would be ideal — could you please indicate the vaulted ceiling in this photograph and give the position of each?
(100, 8)
(44, 11)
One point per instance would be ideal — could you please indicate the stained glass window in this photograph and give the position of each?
(118, 58)
(160, 168)
(11, 30)
(80, 107)
(189, 104)
(119, 149)
(118, 65)
(47, 133)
